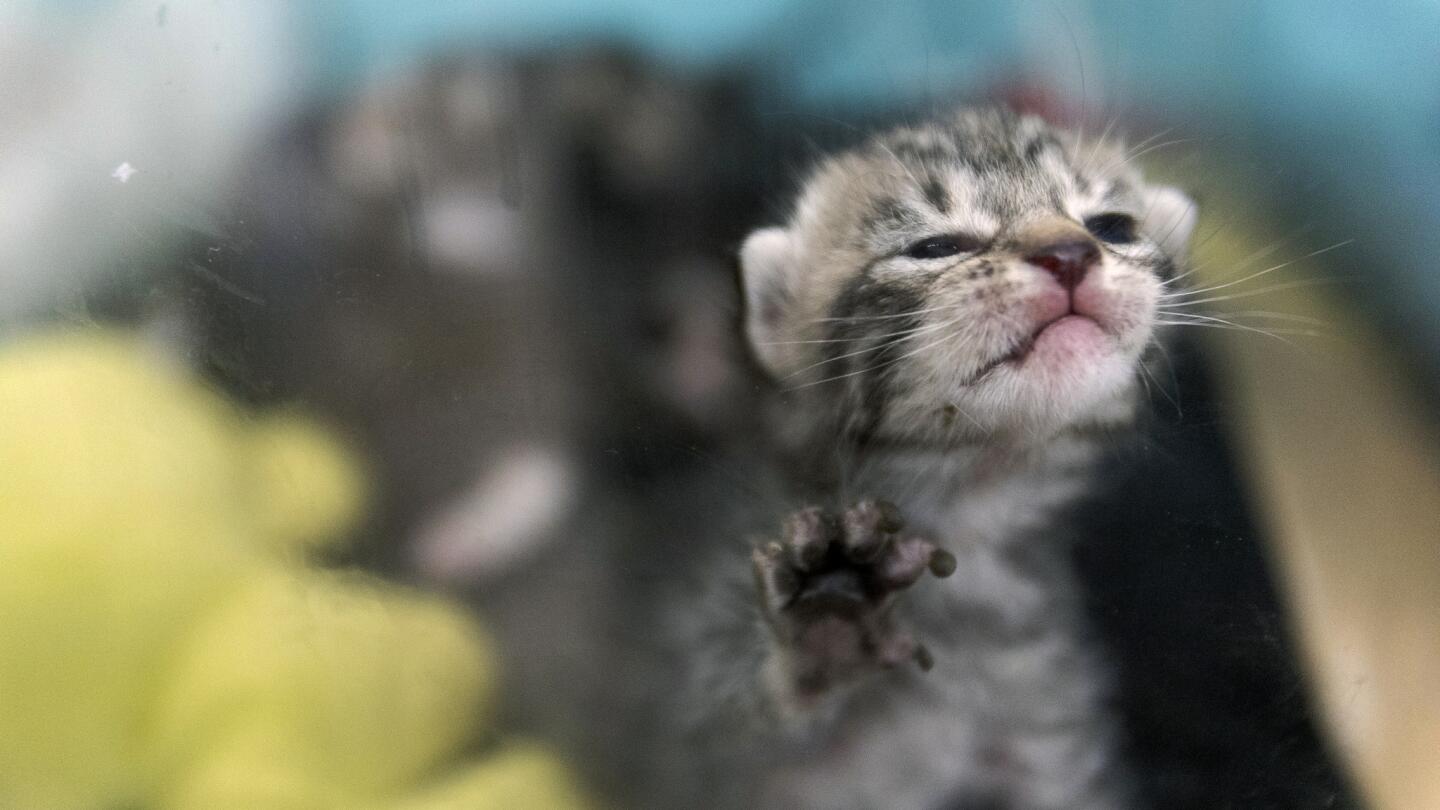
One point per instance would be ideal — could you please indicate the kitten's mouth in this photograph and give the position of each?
(1065, 329)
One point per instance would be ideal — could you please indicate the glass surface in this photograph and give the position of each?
(366, 367)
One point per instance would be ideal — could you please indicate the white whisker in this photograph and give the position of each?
(1277, 334)
(1252, 276)
(905, 356)
(1273, 288)
(878, 347)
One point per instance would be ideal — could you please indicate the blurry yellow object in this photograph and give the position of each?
(522, 777)
(303, 489)
(163, 643)
(329, 677)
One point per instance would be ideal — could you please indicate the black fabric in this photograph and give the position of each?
(1216, 710)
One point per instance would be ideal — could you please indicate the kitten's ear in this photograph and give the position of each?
(1169, 218)
(767, 272)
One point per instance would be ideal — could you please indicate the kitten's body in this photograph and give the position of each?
(1014, 710)
(777, 679)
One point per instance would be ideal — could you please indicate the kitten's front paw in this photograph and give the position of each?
(827, 588)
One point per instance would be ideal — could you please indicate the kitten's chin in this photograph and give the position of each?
(1064, 343)
(1074, 373)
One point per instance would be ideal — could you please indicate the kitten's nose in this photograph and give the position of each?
(1067, 260)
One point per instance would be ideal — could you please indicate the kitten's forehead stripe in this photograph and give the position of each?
(888, 215)
(1000, 164)
(936, 195)
(906, 148)
(980, 172)
(1039, 145)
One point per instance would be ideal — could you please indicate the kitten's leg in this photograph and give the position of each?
(826, 591)
(759, 671)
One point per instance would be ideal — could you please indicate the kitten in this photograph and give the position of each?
(954, 317)
(472, 265)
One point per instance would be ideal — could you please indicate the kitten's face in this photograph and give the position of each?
(984, 274)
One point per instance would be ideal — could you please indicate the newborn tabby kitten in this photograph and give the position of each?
(954, 315)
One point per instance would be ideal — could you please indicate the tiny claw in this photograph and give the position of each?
(923, 658)
(942, 563)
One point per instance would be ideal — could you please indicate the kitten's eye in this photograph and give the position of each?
(938, 247)
(1117, 229)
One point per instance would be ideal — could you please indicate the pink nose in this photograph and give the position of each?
(1067, 261)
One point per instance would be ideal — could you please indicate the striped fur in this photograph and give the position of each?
(930, 381)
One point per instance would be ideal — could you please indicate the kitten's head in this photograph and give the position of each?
(984, 274)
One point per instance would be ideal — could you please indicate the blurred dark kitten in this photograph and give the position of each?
(506, 277)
